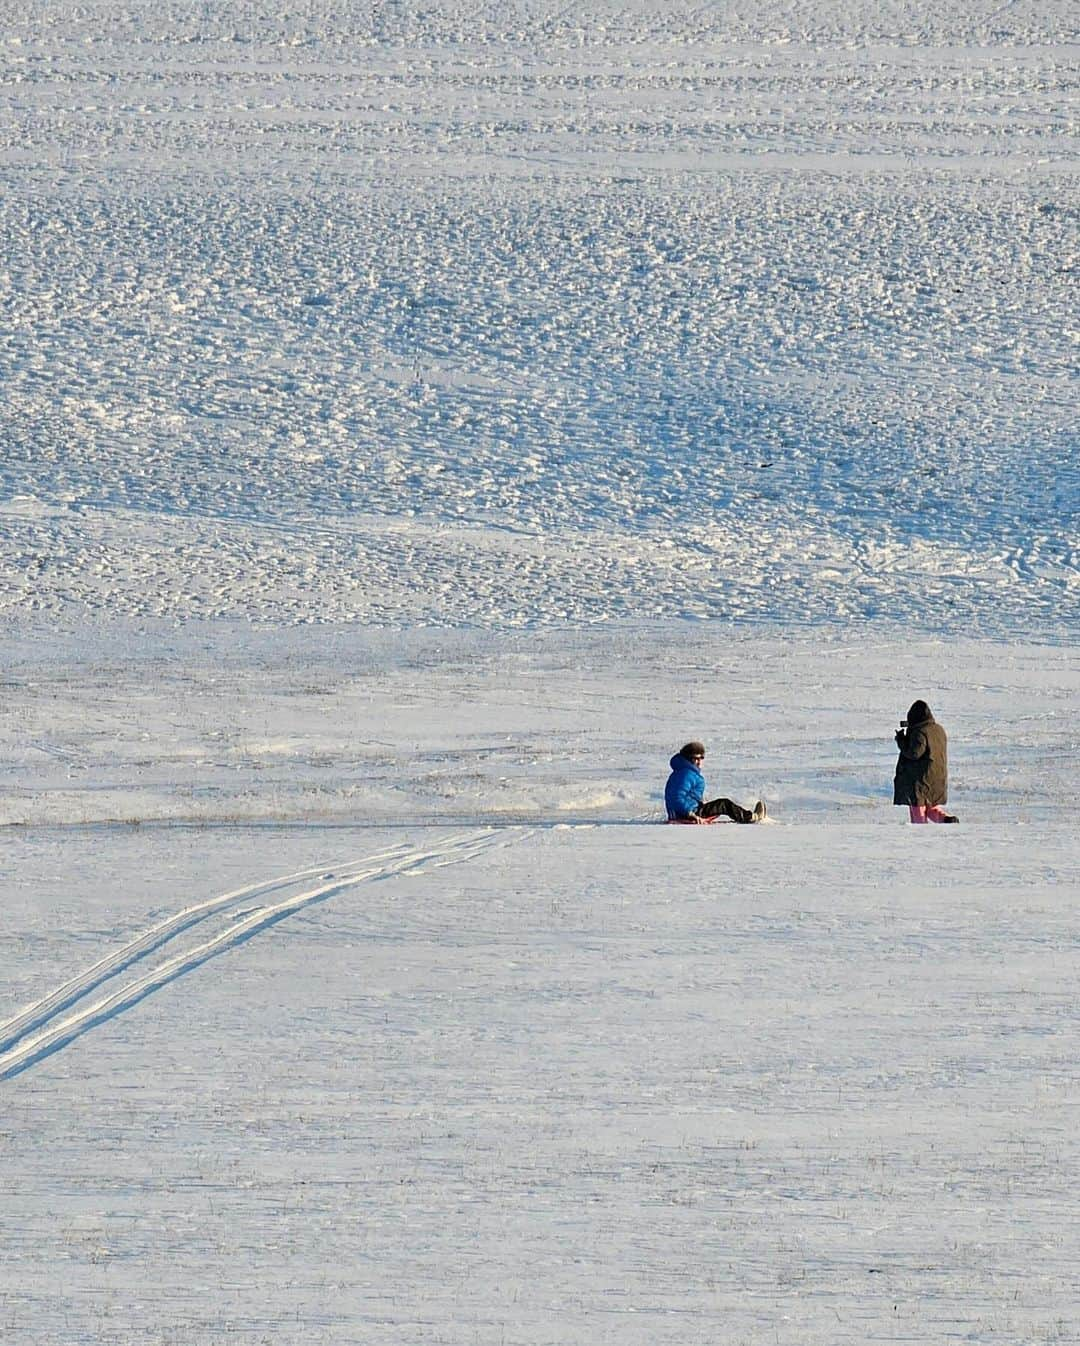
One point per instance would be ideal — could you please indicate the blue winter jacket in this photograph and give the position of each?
(685, 788)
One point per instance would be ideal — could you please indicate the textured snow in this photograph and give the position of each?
(417, 421)
(514, 315)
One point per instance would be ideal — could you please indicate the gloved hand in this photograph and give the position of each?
(900, 738)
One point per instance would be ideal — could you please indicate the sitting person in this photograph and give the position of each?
(684, 794)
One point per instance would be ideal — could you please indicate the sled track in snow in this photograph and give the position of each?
(46, 1025)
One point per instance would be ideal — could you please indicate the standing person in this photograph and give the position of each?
(684, 793)
(922, 769)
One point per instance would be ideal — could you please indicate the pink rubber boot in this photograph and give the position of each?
(929, 813)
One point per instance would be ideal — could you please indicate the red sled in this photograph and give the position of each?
(694, 822)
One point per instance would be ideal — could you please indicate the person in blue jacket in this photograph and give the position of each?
(684, 794)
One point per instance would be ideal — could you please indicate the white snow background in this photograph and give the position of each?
(416, 422)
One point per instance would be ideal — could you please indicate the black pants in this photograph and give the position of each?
(712, 808)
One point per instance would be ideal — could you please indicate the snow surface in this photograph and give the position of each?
(523, 313)
(398, 1016)
(418, 421)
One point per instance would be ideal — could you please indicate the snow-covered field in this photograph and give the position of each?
(399, 1017)
(416, 422)
(506, 314)
(428, 1032)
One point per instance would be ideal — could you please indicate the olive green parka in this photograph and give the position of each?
(922, 769)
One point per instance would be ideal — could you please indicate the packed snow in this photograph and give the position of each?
(417, 422)
(355, 992)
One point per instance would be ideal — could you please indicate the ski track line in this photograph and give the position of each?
(58, 1034)
(119, 960)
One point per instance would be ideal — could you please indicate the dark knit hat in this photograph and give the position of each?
(692, 749)
(918, 713)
